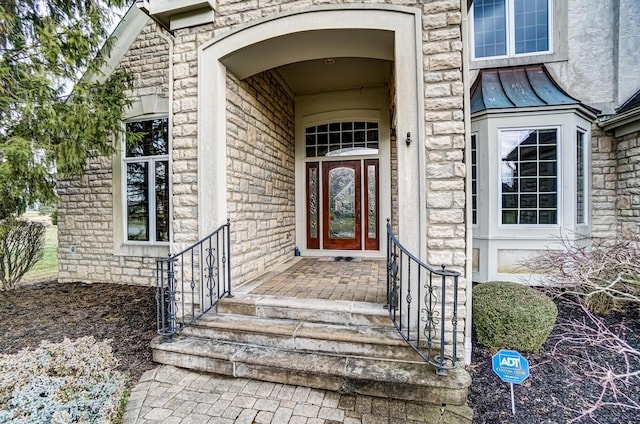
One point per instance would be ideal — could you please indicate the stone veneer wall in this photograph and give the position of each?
(85, 215)
(628, 200)
(444, 146)
(260, 174)
(444, 126)
(444, 130)
(604, 187)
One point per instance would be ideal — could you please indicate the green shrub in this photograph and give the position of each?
(512, 316)
(21, 247)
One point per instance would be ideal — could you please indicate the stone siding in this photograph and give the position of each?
(85, 215)
(444, 131)
(260, 174)
(85, 233)
(604, 187)
(628, 200)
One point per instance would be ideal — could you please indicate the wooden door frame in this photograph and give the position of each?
(342, 244)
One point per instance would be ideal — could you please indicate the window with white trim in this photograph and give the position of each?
(529, 176)
(580, 178)
(509, 28)
(146, 167)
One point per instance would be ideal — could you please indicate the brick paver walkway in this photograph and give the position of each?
(172, 395)
(317, 278)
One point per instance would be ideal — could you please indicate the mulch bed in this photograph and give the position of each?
(49, 311)
(557, 388)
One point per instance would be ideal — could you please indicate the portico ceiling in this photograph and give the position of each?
(333, 74)
(320, 60)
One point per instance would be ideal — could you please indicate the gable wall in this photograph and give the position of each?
(85, 215)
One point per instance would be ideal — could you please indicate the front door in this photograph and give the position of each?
(342, 216)
(342, 205)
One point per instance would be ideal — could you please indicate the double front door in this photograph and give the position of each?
(342, 205)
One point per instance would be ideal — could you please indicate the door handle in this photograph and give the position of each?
(358, 215)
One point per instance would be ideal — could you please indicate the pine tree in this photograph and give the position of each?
(46, 48)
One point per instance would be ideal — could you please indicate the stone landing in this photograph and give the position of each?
(341, 346)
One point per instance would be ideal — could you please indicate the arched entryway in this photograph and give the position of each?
(343, 66)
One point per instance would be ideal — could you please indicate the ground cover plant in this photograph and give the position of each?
(118, 317)
(67, 382)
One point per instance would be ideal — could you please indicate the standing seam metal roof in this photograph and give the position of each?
(514, 87)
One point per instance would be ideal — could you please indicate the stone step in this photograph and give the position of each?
(373, 377)
(354, 340)
(310, 310)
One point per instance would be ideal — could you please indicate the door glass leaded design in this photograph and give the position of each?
(371, 202)
(474, 179)
(342, 139)
(371, 241)
(342, 203)
(313, 205)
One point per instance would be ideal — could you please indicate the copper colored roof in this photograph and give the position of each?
(514, 87)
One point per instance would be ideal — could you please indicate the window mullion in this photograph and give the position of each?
(152, 200)
(511, 27)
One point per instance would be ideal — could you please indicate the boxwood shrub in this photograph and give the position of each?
(512, 316)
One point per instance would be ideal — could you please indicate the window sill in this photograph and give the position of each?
(143, 250)
(531, 59)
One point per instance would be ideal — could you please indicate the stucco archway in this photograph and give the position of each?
(396, 36)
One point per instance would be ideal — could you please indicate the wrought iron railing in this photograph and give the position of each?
(423, 305)
(191, 282)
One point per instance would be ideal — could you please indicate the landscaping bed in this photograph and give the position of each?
(561, 385)
(49, 311)
(557, 390)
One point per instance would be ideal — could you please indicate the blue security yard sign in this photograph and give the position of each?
(510, 366)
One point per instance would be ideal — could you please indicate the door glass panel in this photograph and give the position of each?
(342, 203)
(313, 202)
(372, 219)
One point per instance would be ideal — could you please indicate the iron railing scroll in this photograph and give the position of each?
(193, 281)
(423, 305)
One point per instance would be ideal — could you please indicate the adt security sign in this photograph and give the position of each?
(510, 366)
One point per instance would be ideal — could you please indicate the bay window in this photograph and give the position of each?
(529, 174)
